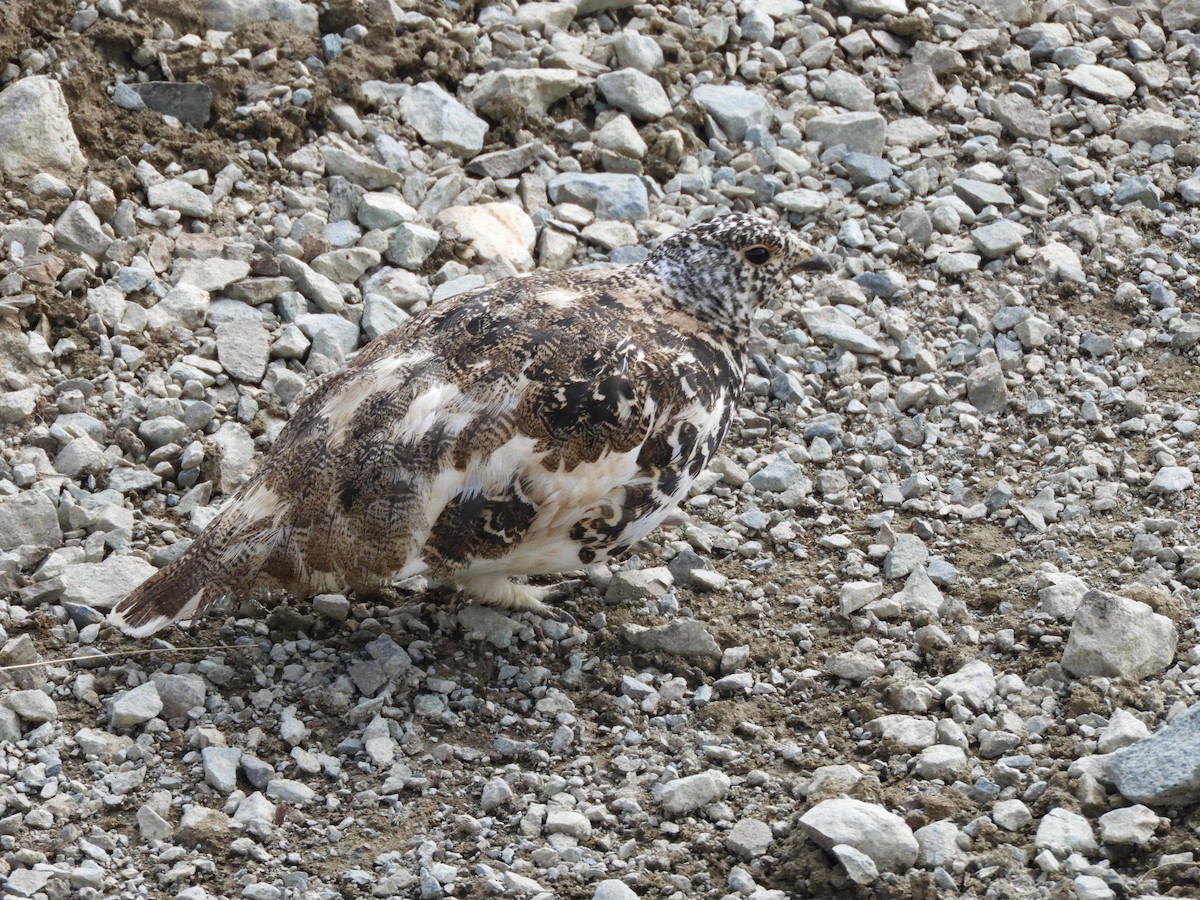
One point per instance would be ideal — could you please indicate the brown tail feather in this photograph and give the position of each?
(178, 591)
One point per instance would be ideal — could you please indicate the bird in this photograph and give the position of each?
(533, 426)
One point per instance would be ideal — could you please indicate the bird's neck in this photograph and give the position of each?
(701, 292)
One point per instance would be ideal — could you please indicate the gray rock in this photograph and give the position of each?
(229, 15)
(33, 706)
(181, 197)
(17, 406)
(506, 163)
(1172, 480)
(35, 130)
(383, 210)
(314, 286)
(865, 169)
(863, 132)
(999, 239)
(1132, 826)
(870, 829)
(1179, 15)
(495, 794)
(639, 584)
(495, 231)
(83, 456)
(215, 275)
(942, 762)
(1021, 118)
(179, 693)
(200, 825)
(411, 245)
(975, 682)
(938, 845)
(609, 196)
(1011, 815)
(638, 51)
(100, 585)
(908, 553)
(533, 90)
(919, 87)
(1101, 81)
(136, 706)
(293, 793)
(986, 389)
(860, 868)
(1063, 832)
(734, 108)
(152, 826)
(636, 93)
(243, 349)
(749, 838)
(682, 637)
(78, 229)
(569, 822)
(612, 889)
(188, 101)
(1153, 128)
(1138, 189)
(849, 91)
(978, 194)
(358, 169)
(220, 766)
(442, 121)
(685, 795)
(1117, 637)
(829, 325)
(237, 452)
(184, 306)
(876, 8)
(778, 475)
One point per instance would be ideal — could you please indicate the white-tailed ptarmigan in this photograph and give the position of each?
(533, 426)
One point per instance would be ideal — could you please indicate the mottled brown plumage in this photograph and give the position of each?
(529, 427)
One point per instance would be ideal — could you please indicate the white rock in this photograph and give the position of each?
(495, 231)
(1064, 832)
(870, 829)
(133, 707)
(1133, 825)
(1172, 480)
(685, 795)
(1101, 81)
(636, 93)
(100, 585)
(35, 130)
(1117, 637)
(975, 682)
(442, 121)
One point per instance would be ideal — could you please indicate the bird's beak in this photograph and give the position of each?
(814, 263)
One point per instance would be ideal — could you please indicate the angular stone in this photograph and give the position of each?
(1153, 128)
(136, 706)
(1163, 769)
(685, 795)
(609, 196)
(188, 101)
(636, 93)
(181, 197)
(101, 585)
(1118, 638)
(1101, 81)
(78, 229)
(243, 349)
(533, 91)
(35, 130)
(495, 231)
(442, 121)
(1020, 118)
(735, 109)
(229, 15)
(682, 637)
(863, 132)
(870, 829)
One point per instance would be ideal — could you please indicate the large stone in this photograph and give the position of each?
(1163, 769)
(101, 585)
(636, 93)
(29, 519)
(831, 326)
(184, 306)
(442, 121)
(228, 15)
(188, 101)
(734, 108)
(243, 349)
(609, 196)
(35, 130)
(870, 829)
(685, 795)
(1021, 118)
(495, 231)
(1153, 128)
(863, 132)
(78, 229)
(1181, 15)
(532, 91)
(1118, 638)
(1101, 81)
(17, 406)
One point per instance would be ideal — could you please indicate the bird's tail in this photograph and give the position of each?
(219, 562)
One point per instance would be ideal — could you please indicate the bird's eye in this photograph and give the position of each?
(757, 255)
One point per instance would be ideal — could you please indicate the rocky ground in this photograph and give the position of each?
(929, 627)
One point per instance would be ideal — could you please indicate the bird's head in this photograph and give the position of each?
(721, 270)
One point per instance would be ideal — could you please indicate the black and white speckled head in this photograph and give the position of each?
(721, 270)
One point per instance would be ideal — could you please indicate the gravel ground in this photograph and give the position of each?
(928, 627)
